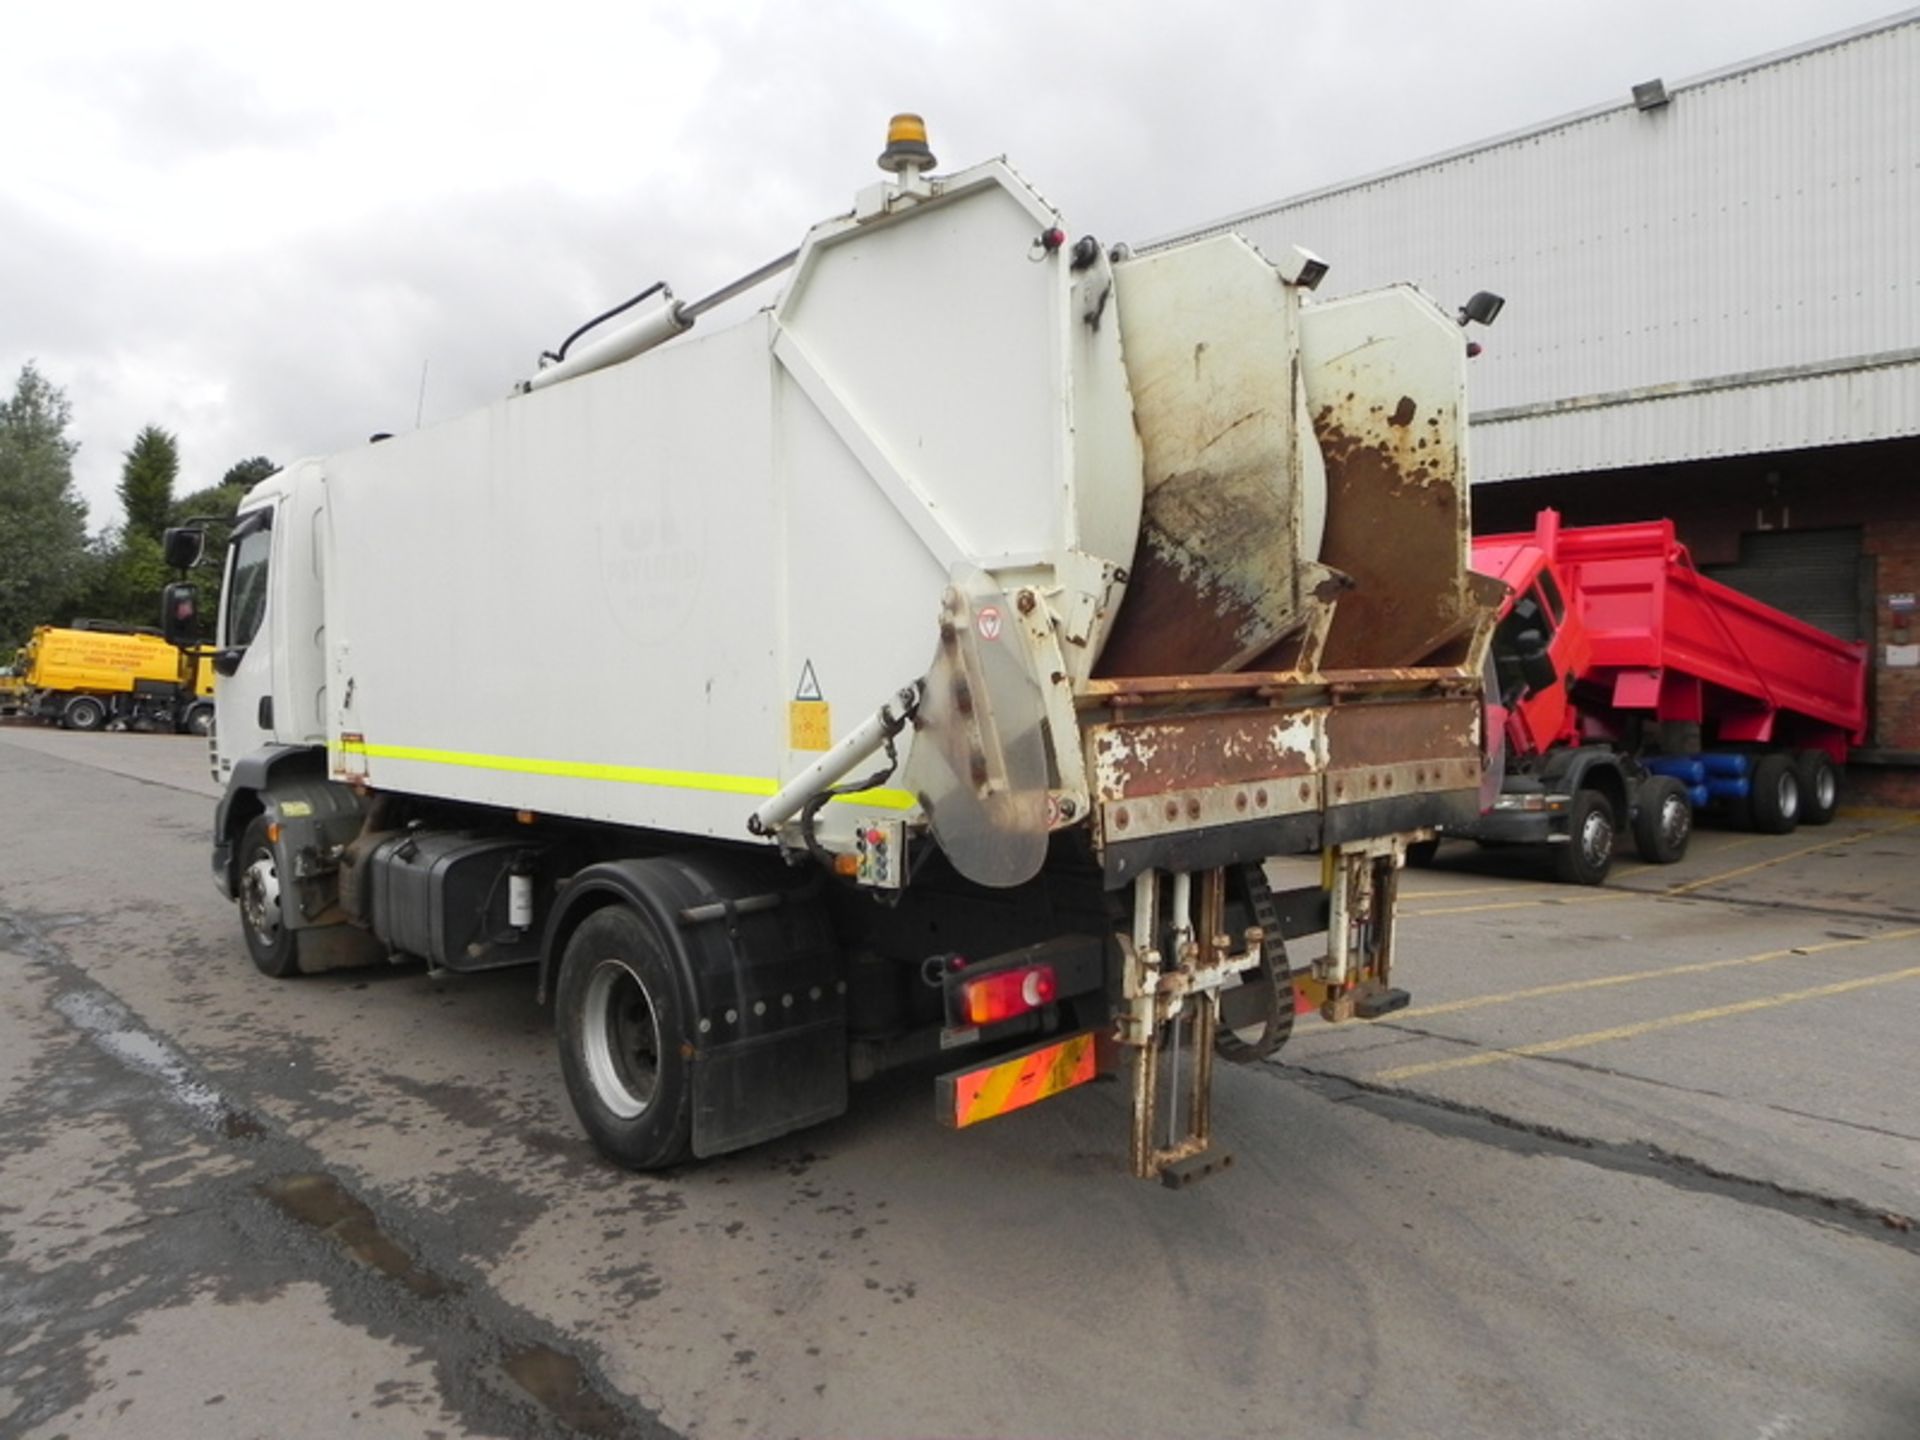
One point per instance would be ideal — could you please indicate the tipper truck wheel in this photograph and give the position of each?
(1662, 821)
(83, 712)
(1774, 804)
(1819, 786)
(625, 1039)
(1591, 832)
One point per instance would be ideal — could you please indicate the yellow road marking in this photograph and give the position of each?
(1692, 885)
(1684, 888)
(1644, 1027)
(1456, 894)
(1599, 982)
(1593, 897)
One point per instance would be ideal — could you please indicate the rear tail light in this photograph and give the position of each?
(1007, 993)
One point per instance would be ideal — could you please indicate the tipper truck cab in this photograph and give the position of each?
(920, 670)
(93, 673)
(1627, 691)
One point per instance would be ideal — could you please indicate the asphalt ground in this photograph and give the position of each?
(1639, 1161)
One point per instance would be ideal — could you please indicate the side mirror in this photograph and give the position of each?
(179, 611)
(226, 663)
(1536, 666)
(183, 546)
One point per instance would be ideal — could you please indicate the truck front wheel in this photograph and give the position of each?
(83, 712)
(199, 720)
(1591, 831)
(1774, 804)
(275, 948)
(1663, 821)
(626, 1041)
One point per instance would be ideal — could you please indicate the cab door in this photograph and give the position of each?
(1546, 708)
(243, 657)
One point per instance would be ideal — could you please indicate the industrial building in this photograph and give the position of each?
(1713, 314)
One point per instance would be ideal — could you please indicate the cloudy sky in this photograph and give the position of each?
(259, 225)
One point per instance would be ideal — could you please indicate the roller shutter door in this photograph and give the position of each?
(1812, 574)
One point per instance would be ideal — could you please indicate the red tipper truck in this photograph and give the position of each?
(1631, 690)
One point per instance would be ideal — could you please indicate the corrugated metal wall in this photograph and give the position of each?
(1736, 271)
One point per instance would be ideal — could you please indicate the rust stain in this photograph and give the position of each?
(1133, 759)
(1396, 524)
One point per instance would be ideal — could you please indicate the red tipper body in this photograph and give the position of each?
(1662, 640)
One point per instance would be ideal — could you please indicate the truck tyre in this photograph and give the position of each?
(199, 720)
(1819, 786)
(1420, 853)
(1663, 821)
(274, 947)
(1591, 830)
(83, 712)
(625, 1040)
(1773, 807)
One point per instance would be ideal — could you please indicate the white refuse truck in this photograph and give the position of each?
(916, 673)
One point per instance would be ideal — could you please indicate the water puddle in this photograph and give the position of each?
(559, 1383)
(322, 1203)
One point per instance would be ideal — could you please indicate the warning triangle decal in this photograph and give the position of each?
(809, 685)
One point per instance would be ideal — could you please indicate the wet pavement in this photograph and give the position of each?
(1640, 1161)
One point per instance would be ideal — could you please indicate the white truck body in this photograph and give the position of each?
(652, 595)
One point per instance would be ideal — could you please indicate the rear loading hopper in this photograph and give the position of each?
(986, 596)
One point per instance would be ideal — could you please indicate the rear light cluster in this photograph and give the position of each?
(1007, 993)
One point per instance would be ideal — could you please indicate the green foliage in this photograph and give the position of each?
(146, 481)
(125, 575)
(248, 472)
(43, 520)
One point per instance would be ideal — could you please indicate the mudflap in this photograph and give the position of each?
(759, 968)
(753, 1090)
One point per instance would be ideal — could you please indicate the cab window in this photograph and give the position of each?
(246, 593)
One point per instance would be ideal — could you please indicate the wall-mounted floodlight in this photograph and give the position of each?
(1300, 266)
(1650, 95)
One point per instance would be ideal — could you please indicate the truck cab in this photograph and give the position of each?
(1559, 786)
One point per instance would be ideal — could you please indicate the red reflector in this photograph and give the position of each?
(1007, 993)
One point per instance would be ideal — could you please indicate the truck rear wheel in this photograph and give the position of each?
(1591, 833)
(626, 1040)
(83, 712)
(1663, 821)
(199, 720)
(1819, 786)
(1774, 803)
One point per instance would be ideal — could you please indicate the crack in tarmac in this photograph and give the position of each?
(499, 1369)
(1484, 1125)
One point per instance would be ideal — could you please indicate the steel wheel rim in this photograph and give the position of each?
(260, 896)
(1676, 821)
(1596, 837)
(1826, 787)
(1786, 794)
(620, 1039)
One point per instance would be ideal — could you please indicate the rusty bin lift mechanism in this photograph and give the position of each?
(1176, 968)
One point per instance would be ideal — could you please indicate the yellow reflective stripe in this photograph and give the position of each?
(618, 774)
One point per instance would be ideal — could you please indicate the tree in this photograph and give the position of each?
(249, 472)
(146, 481)
(43, 520)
